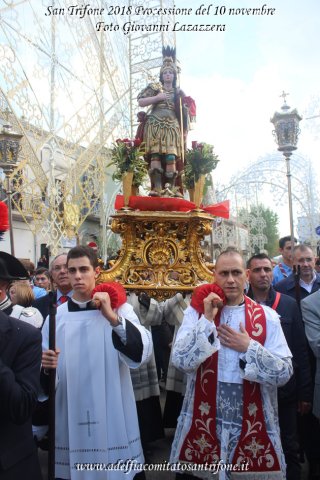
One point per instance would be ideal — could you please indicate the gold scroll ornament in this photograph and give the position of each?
(161, 252)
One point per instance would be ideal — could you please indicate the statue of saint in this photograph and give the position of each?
(164, 126)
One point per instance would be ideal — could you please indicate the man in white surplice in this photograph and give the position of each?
(239, 358)
(96, 419)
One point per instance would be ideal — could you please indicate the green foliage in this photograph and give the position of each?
(127, 156)
(200, 160)
(271, 229)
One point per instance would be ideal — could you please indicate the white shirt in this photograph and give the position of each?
(308, 286)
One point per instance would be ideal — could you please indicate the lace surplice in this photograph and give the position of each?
(269, 365)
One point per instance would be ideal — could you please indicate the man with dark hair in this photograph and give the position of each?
(82, 251)
(236, 356)
(296, 395)
(284, 268)
(20, 358)
(99, 340)
(42, 278)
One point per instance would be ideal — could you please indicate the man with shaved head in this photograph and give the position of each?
(235, 355)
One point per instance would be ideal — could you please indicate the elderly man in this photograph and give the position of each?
(236, 357)
(297, 393)
(61, 284)
(309, 280)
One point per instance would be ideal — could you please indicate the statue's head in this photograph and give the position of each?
(169, 64)
(171, 70)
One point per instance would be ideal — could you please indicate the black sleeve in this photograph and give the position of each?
(44, 380)
(19, 383)
(242, 364)
(42, 304)
(134, 347)
(301, 357)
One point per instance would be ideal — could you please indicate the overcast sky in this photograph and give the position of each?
(237, 76)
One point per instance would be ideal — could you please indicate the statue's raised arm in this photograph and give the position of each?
(164, 127)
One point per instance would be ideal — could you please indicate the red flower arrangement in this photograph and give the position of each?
(127, 156)
(200, 160)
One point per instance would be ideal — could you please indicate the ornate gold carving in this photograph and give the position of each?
(160, 252)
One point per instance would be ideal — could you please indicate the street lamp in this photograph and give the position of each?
(9, 150)
(286, 132)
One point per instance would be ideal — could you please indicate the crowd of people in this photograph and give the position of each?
(239, 358)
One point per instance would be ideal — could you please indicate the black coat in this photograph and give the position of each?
(42, 304)
(20, 360)
(299, 387)
(288, 286)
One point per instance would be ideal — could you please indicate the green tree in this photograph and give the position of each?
(251, 220)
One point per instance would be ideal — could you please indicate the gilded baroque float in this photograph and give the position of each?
(161, 253)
